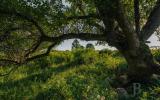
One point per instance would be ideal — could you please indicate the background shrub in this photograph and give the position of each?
(60, 57)
(86, 56)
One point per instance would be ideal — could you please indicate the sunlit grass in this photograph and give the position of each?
(68, 77)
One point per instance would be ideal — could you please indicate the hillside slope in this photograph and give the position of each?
(72, 75)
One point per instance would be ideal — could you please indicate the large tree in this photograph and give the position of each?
(27, 25)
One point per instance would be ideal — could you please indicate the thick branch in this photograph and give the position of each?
(82, 36)
(127, 28)
(29, 59)
(34, 47)
(42, 55)
(123, 21)
(13, 69)
(56, 40)
(9, 61)
(106, 13)
(152, 23)
(137, 16)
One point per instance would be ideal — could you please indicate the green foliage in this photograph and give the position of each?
(76, 45)
(67, 79)
(42, 62)
(90, 46)
(105, 51)
(60, 57)
(156, 54)
(52, 17)
(82, 56)
(79, 74)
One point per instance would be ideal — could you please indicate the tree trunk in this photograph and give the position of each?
(141, 64)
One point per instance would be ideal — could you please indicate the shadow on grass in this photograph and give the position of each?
(50, 94)
(41, 77)
(53, 93)
(63, 68)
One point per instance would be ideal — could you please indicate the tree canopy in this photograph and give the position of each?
(90, 46)
(28, 26)
(76, 45)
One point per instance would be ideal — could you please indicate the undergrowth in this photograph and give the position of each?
(71, 75)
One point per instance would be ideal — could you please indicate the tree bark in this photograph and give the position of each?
(141, 63)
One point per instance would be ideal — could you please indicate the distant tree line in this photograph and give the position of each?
(77, 45)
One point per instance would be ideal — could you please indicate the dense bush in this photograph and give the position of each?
(42, 62)
(156, 54)
(105, 51)
(60, 57)
(87, 56)
(113, 53)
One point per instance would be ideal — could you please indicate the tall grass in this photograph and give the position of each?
(70, 75)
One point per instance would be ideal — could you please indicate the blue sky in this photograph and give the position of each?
(67, 44)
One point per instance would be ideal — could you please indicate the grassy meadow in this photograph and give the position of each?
(82, 74)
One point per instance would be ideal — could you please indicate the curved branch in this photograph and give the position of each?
(10, 61)
(82, 36)
(56, 40)
(34, 47)
(42, 55)
(152, 23)
(13, 69)
(31, 58)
